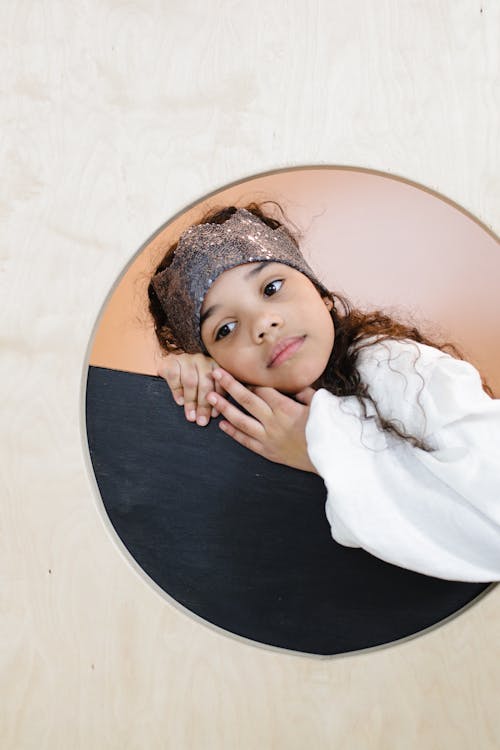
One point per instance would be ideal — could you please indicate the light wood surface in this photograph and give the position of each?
(115, 117)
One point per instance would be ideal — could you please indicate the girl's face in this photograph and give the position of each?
(267, 325)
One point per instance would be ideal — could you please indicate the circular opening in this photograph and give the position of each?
(244, 543)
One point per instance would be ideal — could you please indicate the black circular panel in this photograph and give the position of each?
(240, 541)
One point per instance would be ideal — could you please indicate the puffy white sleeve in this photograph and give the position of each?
(437, 512)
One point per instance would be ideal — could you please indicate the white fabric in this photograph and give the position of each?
(436, 513)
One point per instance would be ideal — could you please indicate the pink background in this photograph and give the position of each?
(381, 241)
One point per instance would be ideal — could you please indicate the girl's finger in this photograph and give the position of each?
(240, 437)
(249, 426)
(276, 400)
(170, 371)
(205, 386)
(220, 390)
(189, 377)
(250, 401)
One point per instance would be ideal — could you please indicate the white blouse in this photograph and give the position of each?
(437, 512)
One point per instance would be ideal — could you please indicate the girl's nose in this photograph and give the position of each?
(264, 324)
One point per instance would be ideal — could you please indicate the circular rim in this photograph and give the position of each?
(83, 422)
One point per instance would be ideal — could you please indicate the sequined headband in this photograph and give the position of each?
(203, 252)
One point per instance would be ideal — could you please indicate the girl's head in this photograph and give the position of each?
(237, 287)
(267, 324)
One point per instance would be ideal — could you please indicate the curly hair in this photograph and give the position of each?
(352, 328)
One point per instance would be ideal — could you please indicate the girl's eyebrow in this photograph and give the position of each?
(207, 314)
(248, 275)
(257, 269)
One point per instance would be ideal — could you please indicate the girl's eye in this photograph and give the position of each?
(271, 285)
(223, 331)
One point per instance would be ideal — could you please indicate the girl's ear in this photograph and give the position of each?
(328, 302)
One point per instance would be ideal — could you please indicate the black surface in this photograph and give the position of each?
(241, 541)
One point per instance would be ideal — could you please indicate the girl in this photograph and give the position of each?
(405, 436)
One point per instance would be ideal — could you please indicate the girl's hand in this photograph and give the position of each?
(190, 379)
(278, 430)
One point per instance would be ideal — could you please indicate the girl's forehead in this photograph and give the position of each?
(244, 275)
(235, 280)
(251, 271)
(244, 268)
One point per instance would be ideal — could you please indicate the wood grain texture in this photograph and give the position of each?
(115, 116)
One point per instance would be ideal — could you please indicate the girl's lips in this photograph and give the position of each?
(292, 345)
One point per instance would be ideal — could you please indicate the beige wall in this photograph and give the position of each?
(381, 241)
(115, 117)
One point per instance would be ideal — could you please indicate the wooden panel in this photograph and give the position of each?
(115, 117)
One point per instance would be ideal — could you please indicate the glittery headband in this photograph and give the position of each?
(203, 252)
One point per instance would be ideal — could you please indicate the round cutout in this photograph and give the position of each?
(244, 543)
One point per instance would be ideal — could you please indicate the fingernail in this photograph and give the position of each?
(192, 415)
(180, 401)
(217, 374)
(202, 421)
(212, 399)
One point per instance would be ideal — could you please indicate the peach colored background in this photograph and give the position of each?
(381, 241)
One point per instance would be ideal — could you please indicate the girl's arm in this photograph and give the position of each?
(437, 512)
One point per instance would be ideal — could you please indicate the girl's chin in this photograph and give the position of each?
(289, 382)
(302, 378)
(288, 388)
(296, 385)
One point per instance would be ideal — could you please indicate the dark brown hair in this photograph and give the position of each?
(352, 327)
